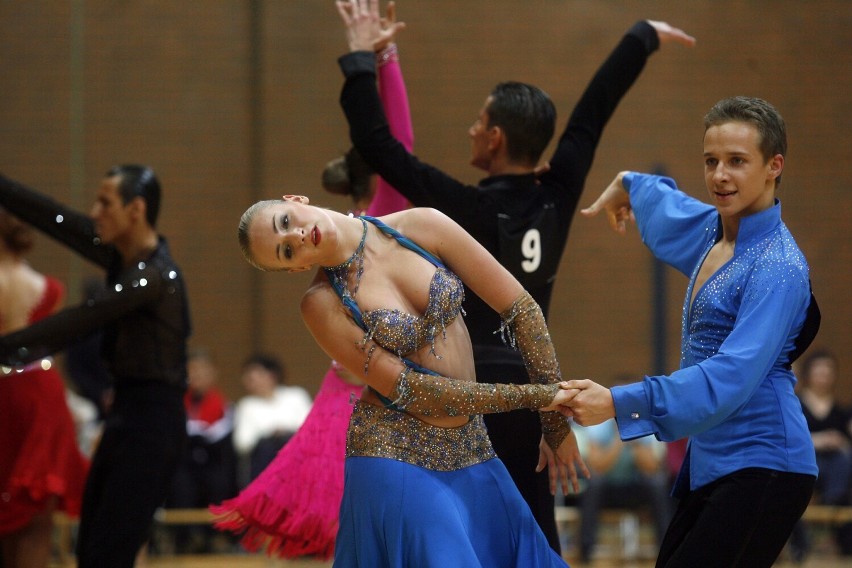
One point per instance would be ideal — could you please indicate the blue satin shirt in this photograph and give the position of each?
(733, 394)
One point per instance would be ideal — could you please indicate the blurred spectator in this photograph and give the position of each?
(630, 475)
(268, 415)
(87, 423)
(207, 473)
(675, 454)
(829, 423)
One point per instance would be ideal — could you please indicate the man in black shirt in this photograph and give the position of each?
(521, 218)
(144, 315)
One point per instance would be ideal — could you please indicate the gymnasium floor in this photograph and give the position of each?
(229, 561)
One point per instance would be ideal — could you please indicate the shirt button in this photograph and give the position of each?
(634, 415)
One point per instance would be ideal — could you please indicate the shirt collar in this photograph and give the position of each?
(508, 181)
(758, 225)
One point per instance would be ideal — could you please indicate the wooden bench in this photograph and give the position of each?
(628, 525)
(628, 522)
(183, 517)
(828, 515)
(567, 519)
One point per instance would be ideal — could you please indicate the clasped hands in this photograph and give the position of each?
(585, 401)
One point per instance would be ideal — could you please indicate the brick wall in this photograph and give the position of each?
(231, 101)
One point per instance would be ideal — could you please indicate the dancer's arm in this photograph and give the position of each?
(53, 333)
(575, 150)
(394, 99)
(69, 227)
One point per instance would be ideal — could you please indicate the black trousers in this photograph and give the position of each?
(515, 437)
(130, 475)
(742, 520)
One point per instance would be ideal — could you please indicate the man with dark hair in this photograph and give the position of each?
(144, 315)
(521, 218)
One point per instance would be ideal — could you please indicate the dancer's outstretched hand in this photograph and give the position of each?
(670, 34)
(366, 30)
(615, 202)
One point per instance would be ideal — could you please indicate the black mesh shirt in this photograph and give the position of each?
(521, 220)
(144, 312)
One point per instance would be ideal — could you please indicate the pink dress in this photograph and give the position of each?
(291, 509)
(39, 455)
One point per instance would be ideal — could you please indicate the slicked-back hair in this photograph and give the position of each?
(757, 112)
(139, 181)
(527, 116)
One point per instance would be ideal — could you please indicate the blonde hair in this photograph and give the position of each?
(243, 232)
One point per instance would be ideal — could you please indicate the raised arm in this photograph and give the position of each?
(420, 183)
(394, 99)
(664, 214)
(575, 151)
(62, 223)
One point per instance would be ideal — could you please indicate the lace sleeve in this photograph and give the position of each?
(524, 328)
(434, 395)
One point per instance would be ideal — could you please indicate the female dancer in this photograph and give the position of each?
(419, 469)
(291, 509)
(41, 467)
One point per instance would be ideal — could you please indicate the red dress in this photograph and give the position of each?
(39, 455)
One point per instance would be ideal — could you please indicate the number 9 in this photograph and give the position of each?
(531, 250)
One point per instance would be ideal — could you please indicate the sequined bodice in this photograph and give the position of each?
(404, 333)
(384, 433)
(397, 331)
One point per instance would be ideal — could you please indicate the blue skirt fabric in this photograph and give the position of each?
(398, 515)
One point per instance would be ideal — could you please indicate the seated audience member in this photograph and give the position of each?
(269, 414)
(207, 473)
(630, 475)
(829, 424)
(675, 454)
(87, 425)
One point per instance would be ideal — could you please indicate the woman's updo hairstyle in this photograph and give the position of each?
(348, 174)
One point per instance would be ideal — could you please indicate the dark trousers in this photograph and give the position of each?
(515, 437)
(741, 520)
(130, 475)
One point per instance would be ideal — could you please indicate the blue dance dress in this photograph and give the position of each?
(417, 495)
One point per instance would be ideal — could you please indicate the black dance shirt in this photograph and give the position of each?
(144, 312)
(521, 220)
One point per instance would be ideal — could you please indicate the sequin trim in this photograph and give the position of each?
(382, 433)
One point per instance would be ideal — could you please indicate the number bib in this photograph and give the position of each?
(529, 246)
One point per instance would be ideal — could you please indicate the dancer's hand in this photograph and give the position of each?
(615, 201)
(562, 464)
(592, 405)
(389, 24)
(364, 26)
(668, 34)
(562, 398)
